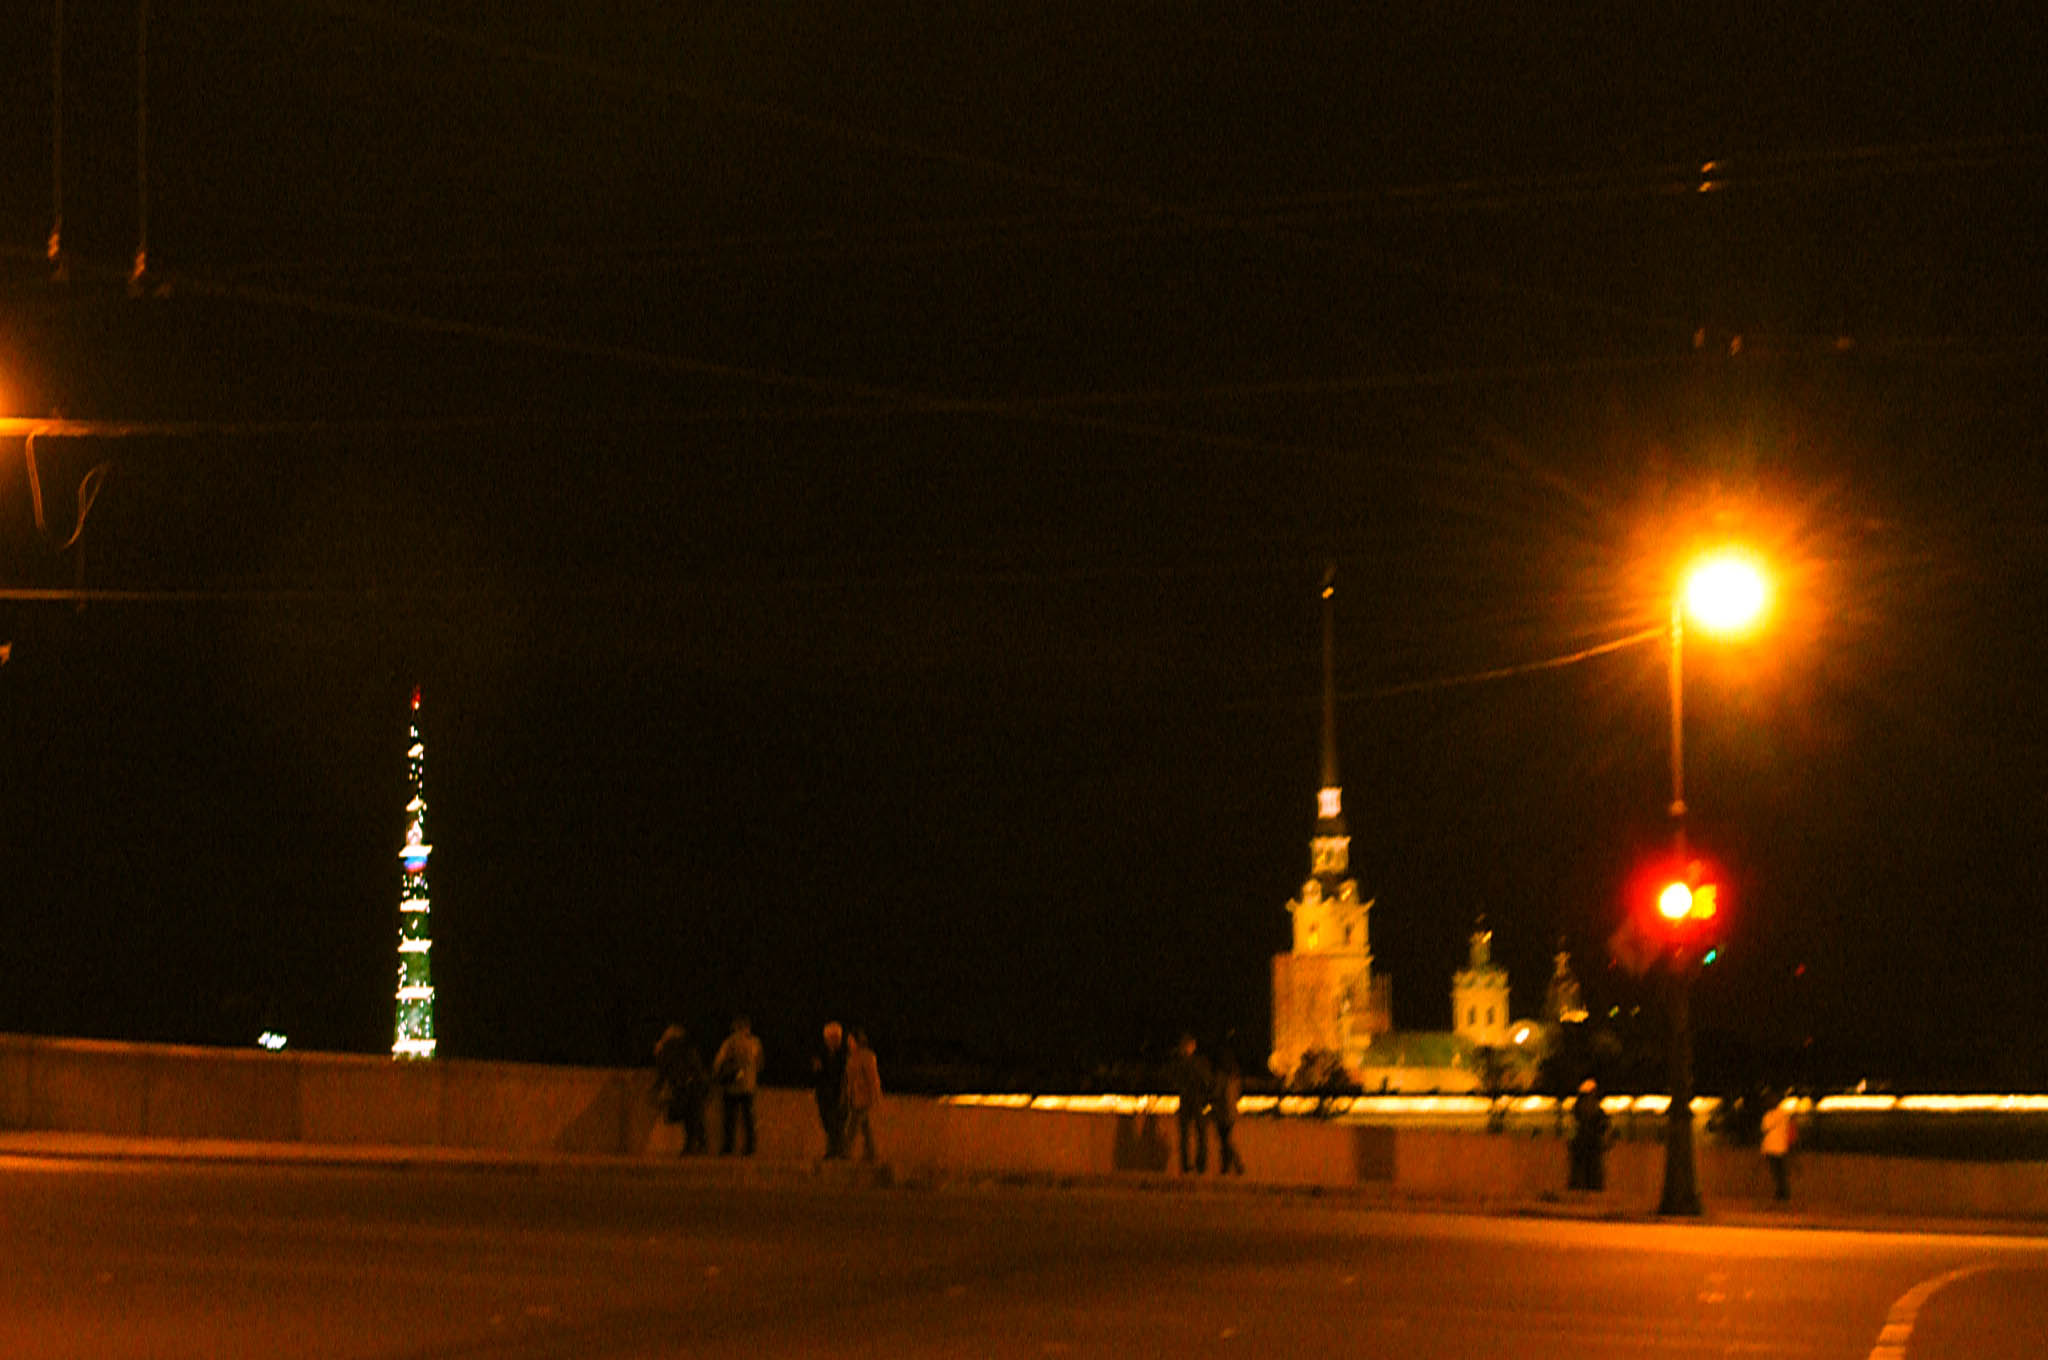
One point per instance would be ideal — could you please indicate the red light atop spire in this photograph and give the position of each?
(415, 698)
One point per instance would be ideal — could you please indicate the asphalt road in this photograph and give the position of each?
(110, 1259)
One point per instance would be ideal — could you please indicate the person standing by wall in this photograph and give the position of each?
(1589, 1139)
(1190, 1078)
(863, 1093)
(1781, 1133)
(685, 1086)
(737, 1069)
(828, 1079)
(1223, 1113)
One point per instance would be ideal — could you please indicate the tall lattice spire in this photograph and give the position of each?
(414, 1033)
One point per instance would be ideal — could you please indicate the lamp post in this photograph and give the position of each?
(1726, 594)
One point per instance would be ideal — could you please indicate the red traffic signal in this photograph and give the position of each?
(1686, 914)
(1686, 899)
(1673, 914)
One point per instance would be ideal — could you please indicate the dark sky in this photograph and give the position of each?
(852, 482)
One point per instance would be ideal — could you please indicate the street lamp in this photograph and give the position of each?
(1725, 593)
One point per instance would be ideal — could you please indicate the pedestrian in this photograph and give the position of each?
(863, 1093)
(828, 1080)
(1192, 1080)
(1223, 1113)
(737, 1070)
(684, 1084)
(1781, 1133)
(1589, 1139)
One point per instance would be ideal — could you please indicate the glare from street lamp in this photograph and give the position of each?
(1675, 902)
(1725, 594)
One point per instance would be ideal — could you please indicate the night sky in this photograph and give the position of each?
(852, 482)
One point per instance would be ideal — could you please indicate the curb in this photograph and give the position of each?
(747, 1171)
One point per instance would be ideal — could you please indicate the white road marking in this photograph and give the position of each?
(1898, 1323)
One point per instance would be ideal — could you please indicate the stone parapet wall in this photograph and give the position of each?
(163, 1091)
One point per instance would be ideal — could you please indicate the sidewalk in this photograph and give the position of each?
(95, 1147)
(762, 1171)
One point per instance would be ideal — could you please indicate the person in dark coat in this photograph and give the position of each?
(1589, 1139)
(828, 1073)
(685, 1085)
(1190, 1077)
(1223, 1113)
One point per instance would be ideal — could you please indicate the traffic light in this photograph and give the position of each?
(1688, 909)
(1675, 911)
(1687, 899)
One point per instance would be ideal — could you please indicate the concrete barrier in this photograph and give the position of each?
(242, 1097)
(162, 1091)
(75, 1084)
(350, 1101)
(520, 1108)
(146, 1091)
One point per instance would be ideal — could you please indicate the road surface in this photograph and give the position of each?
(113, 1258)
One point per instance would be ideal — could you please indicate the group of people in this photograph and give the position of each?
(1779, 1134)
(1208, 1097)
(846, 1077)
(848, 1085)
(684, 1084)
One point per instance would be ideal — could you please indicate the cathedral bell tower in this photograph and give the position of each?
(1326, 1006)
(1479, 994)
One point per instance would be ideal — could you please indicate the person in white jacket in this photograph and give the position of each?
(737, 1070)
(1780, 1133)
(863, 1093)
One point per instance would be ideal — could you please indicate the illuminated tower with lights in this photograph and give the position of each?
(414, 1033)
(1327, 1005)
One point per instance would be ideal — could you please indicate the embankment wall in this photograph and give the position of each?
(171, 1092)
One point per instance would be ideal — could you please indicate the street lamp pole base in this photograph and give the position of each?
(1681, 1180)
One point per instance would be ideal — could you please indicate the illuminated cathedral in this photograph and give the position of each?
(1327, 1005)
(1333, 1014)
